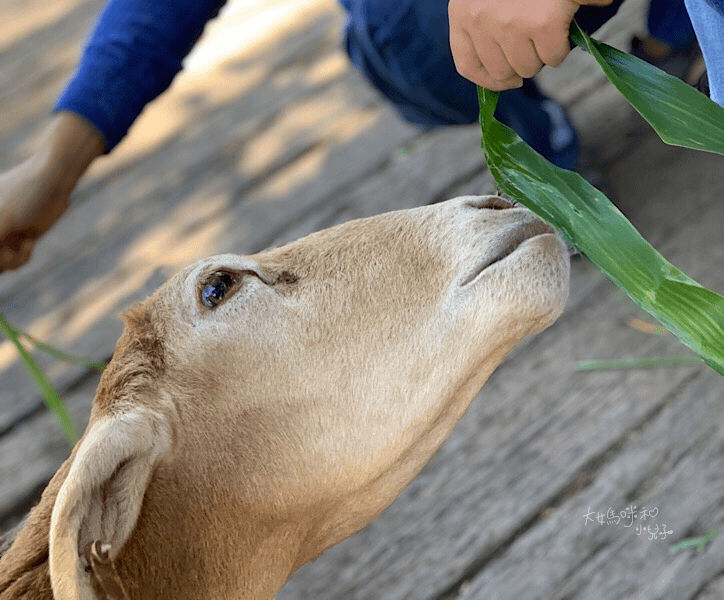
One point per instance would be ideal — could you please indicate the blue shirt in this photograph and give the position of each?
(131, 57)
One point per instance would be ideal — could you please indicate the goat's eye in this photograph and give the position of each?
(214, 290)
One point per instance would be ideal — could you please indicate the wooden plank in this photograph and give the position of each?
(39, 42)
(33, 450)
(426, 170)
(668, 466)
(713, 590)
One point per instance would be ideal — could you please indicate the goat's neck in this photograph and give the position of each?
(211, 545)
(256, 568)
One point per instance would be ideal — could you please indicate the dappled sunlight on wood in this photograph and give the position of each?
(172, 244)
(22, 19)
(218, 74)
(304, 122)
(104, 291)
(8, 354)
(245, 25)
(310, 164)
(327, 69)
(36, 64)
(188, 234)
(303, 169)
(227, 63)
(195, 225)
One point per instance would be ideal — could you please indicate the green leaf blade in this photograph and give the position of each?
(51, 397)
(681, 115)
(599, 230)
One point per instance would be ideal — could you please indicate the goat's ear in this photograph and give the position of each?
(101, 497)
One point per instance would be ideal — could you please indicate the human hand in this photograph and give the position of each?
(34, 194)
(496, 43)
(30, 204)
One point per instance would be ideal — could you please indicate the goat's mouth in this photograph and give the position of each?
(508, 246)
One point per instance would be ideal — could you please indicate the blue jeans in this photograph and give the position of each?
(403, 49)
(708, 19)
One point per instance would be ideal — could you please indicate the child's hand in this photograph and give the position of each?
(496, 43)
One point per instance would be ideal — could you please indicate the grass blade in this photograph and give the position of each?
(59, 354)
(700, 543)
(637, 363)
(52, 399)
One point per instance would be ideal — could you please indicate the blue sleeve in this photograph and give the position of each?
(132, 55)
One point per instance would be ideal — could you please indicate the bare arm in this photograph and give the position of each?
(36, 193)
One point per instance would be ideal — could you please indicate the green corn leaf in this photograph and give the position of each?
(600, 231)
(52, 399)
(681, 115)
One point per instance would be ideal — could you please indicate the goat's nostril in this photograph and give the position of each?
(491, 203)
(213, 292)
(287, 277)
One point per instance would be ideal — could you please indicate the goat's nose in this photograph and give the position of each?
(490, 202)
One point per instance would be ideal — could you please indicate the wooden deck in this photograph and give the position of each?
(265, 140)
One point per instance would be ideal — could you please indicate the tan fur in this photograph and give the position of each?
(229, 446)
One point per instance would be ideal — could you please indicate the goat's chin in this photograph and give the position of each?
(531, 283)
